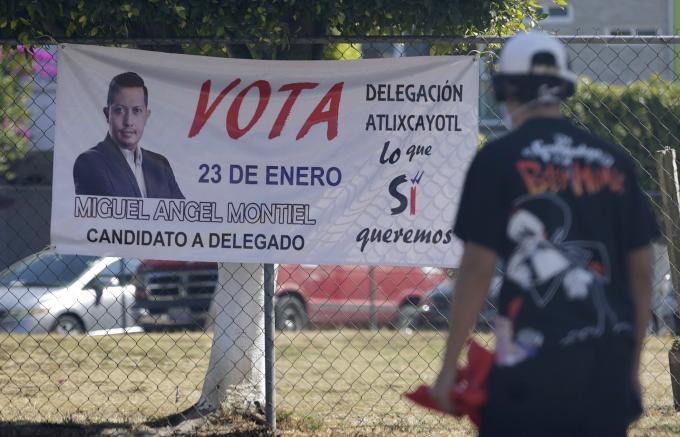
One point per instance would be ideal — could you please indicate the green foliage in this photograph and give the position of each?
(342, 51)
(268, 24)
(272, 22)
(642, 117)
(15, 68)
(675, 347)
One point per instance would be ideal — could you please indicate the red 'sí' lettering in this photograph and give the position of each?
(203, 112)
(295, 90)
(318, 115)
(233, 129)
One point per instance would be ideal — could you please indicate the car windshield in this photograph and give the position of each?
(46, 270)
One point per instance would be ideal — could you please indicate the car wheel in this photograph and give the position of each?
(67, 324)
(406, 317)
(290, 314)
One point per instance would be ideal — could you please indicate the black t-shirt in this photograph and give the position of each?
(562, 209)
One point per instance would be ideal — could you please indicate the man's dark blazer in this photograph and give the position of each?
(103, 171)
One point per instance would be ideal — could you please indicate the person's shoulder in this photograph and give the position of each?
(154, 157)
(93, 153)
(617, 152)
(496, 145)
(496, 151)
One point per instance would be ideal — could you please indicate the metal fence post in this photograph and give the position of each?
(372, 321)
(670, 202)
(269, 359)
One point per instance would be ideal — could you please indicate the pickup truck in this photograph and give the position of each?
(175, 294)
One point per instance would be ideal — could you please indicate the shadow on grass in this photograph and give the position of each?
(21, 429)
(196, 415)
(184, 423)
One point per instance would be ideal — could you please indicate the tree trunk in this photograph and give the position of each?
(235, 375)
(674, 369)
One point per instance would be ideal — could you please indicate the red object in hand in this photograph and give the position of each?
(469, 393)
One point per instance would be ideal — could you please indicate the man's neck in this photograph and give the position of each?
(521, 113)
(124, 146)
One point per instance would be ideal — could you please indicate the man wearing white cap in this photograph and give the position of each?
(563, 212)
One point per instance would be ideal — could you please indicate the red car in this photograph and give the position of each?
(351, 295)
(178, 294)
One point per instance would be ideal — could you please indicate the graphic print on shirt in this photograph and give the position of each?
(543, 262)
(561, 165)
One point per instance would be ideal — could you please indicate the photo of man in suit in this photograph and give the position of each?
(118, 166)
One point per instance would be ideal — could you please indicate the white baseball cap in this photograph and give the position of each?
(520, 54)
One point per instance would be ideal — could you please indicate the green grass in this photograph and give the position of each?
(330, 382)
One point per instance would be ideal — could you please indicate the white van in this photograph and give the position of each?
(68, 294)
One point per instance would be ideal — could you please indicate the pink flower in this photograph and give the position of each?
(44, 63)
(24, 132)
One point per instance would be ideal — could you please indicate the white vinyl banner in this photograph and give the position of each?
(166, 156)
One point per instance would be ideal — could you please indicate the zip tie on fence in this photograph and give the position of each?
(50, 38)
(480, 53)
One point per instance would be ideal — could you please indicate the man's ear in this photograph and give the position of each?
(106, 113)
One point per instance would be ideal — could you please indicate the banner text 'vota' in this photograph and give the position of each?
(326, 111)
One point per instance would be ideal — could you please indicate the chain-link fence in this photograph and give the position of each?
(125, 341)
